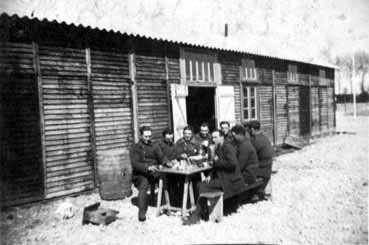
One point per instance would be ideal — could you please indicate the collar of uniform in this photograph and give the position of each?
(142, 144)
(167, 143)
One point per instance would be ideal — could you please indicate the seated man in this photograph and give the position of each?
(168, 148)
(204, 139)
(167, 145)
(225, 127)
(246, 154)
(226, 176)
(145, 158)
(187, 146)
(264, 152)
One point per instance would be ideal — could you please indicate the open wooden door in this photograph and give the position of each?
(179, 93)
(224, 104)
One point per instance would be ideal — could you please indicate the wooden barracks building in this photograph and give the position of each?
(69, 92)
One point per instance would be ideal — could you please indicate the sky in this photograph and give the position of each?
(314, 31)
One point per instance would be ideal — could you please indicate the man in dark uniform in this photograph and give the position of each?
(225, 127)
(174, 182)
(145, 158)
(204, 139)
(264, 151)
(226, 176)
(187, 146)
(246, 153)
(167, 145)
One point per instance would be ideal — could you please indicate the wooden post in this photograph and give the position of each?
(91, 112)
(132, 76)
(310, 106)
(37, 70)
(274, 109)
(170, 122)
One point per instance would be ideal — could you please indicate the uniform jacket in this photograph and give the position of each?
(264, 151)
(144, 155)
(168, 150)
(191, 148)
(227, 169)
(247, 155)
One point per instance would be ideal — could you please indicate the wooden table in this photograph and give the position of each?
(187, 190)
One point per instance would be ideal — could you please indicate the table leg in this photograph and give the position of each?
(185, 194)
(158, 201)
(192, 197)
(166, 194)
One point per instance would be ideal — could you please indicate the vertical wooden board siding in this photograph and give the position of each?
(65, 94)
(294, 110)
(330, 109)
(152, 92)
(323, 109)
(21, 159)
(237, 102)
(112, 100)
(281, 113)
(315, 127)
(266, 110)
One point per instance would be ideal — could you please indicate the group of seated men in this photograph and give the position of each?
(240, 155)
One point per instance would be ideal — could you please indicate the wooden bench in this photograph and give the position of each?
(215, 205)
(215, 200)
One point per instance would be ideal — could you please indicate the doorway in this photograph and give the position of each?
(304, 105)
(200, 107)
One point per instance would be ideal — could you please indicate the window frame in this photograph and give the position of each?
(245, 69)
(249, 107)
(292, 73)
(207, 69)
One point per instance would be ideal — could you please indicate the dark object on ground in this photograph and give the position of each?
(96, 215)
(295, 142)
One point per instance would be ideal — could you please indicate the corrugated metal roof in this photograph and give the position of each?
(217, 43)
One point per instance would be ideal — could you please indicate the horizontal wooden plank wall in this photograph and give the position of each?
(265, 97)
(21, 160)
(315, 115)
(231, 76)
(281, 106)
(173, 64)
(152, 89)
(69, 167)
(323, 103)
(112, 100)
(294, 110)
(330, 102)
(282, 114)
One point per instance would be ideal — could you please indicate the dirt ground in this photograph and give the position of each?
(319, 197)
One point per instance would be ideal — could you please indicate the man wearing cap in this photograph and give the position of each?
(246, 153)
(145, 158)
(264, 152)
